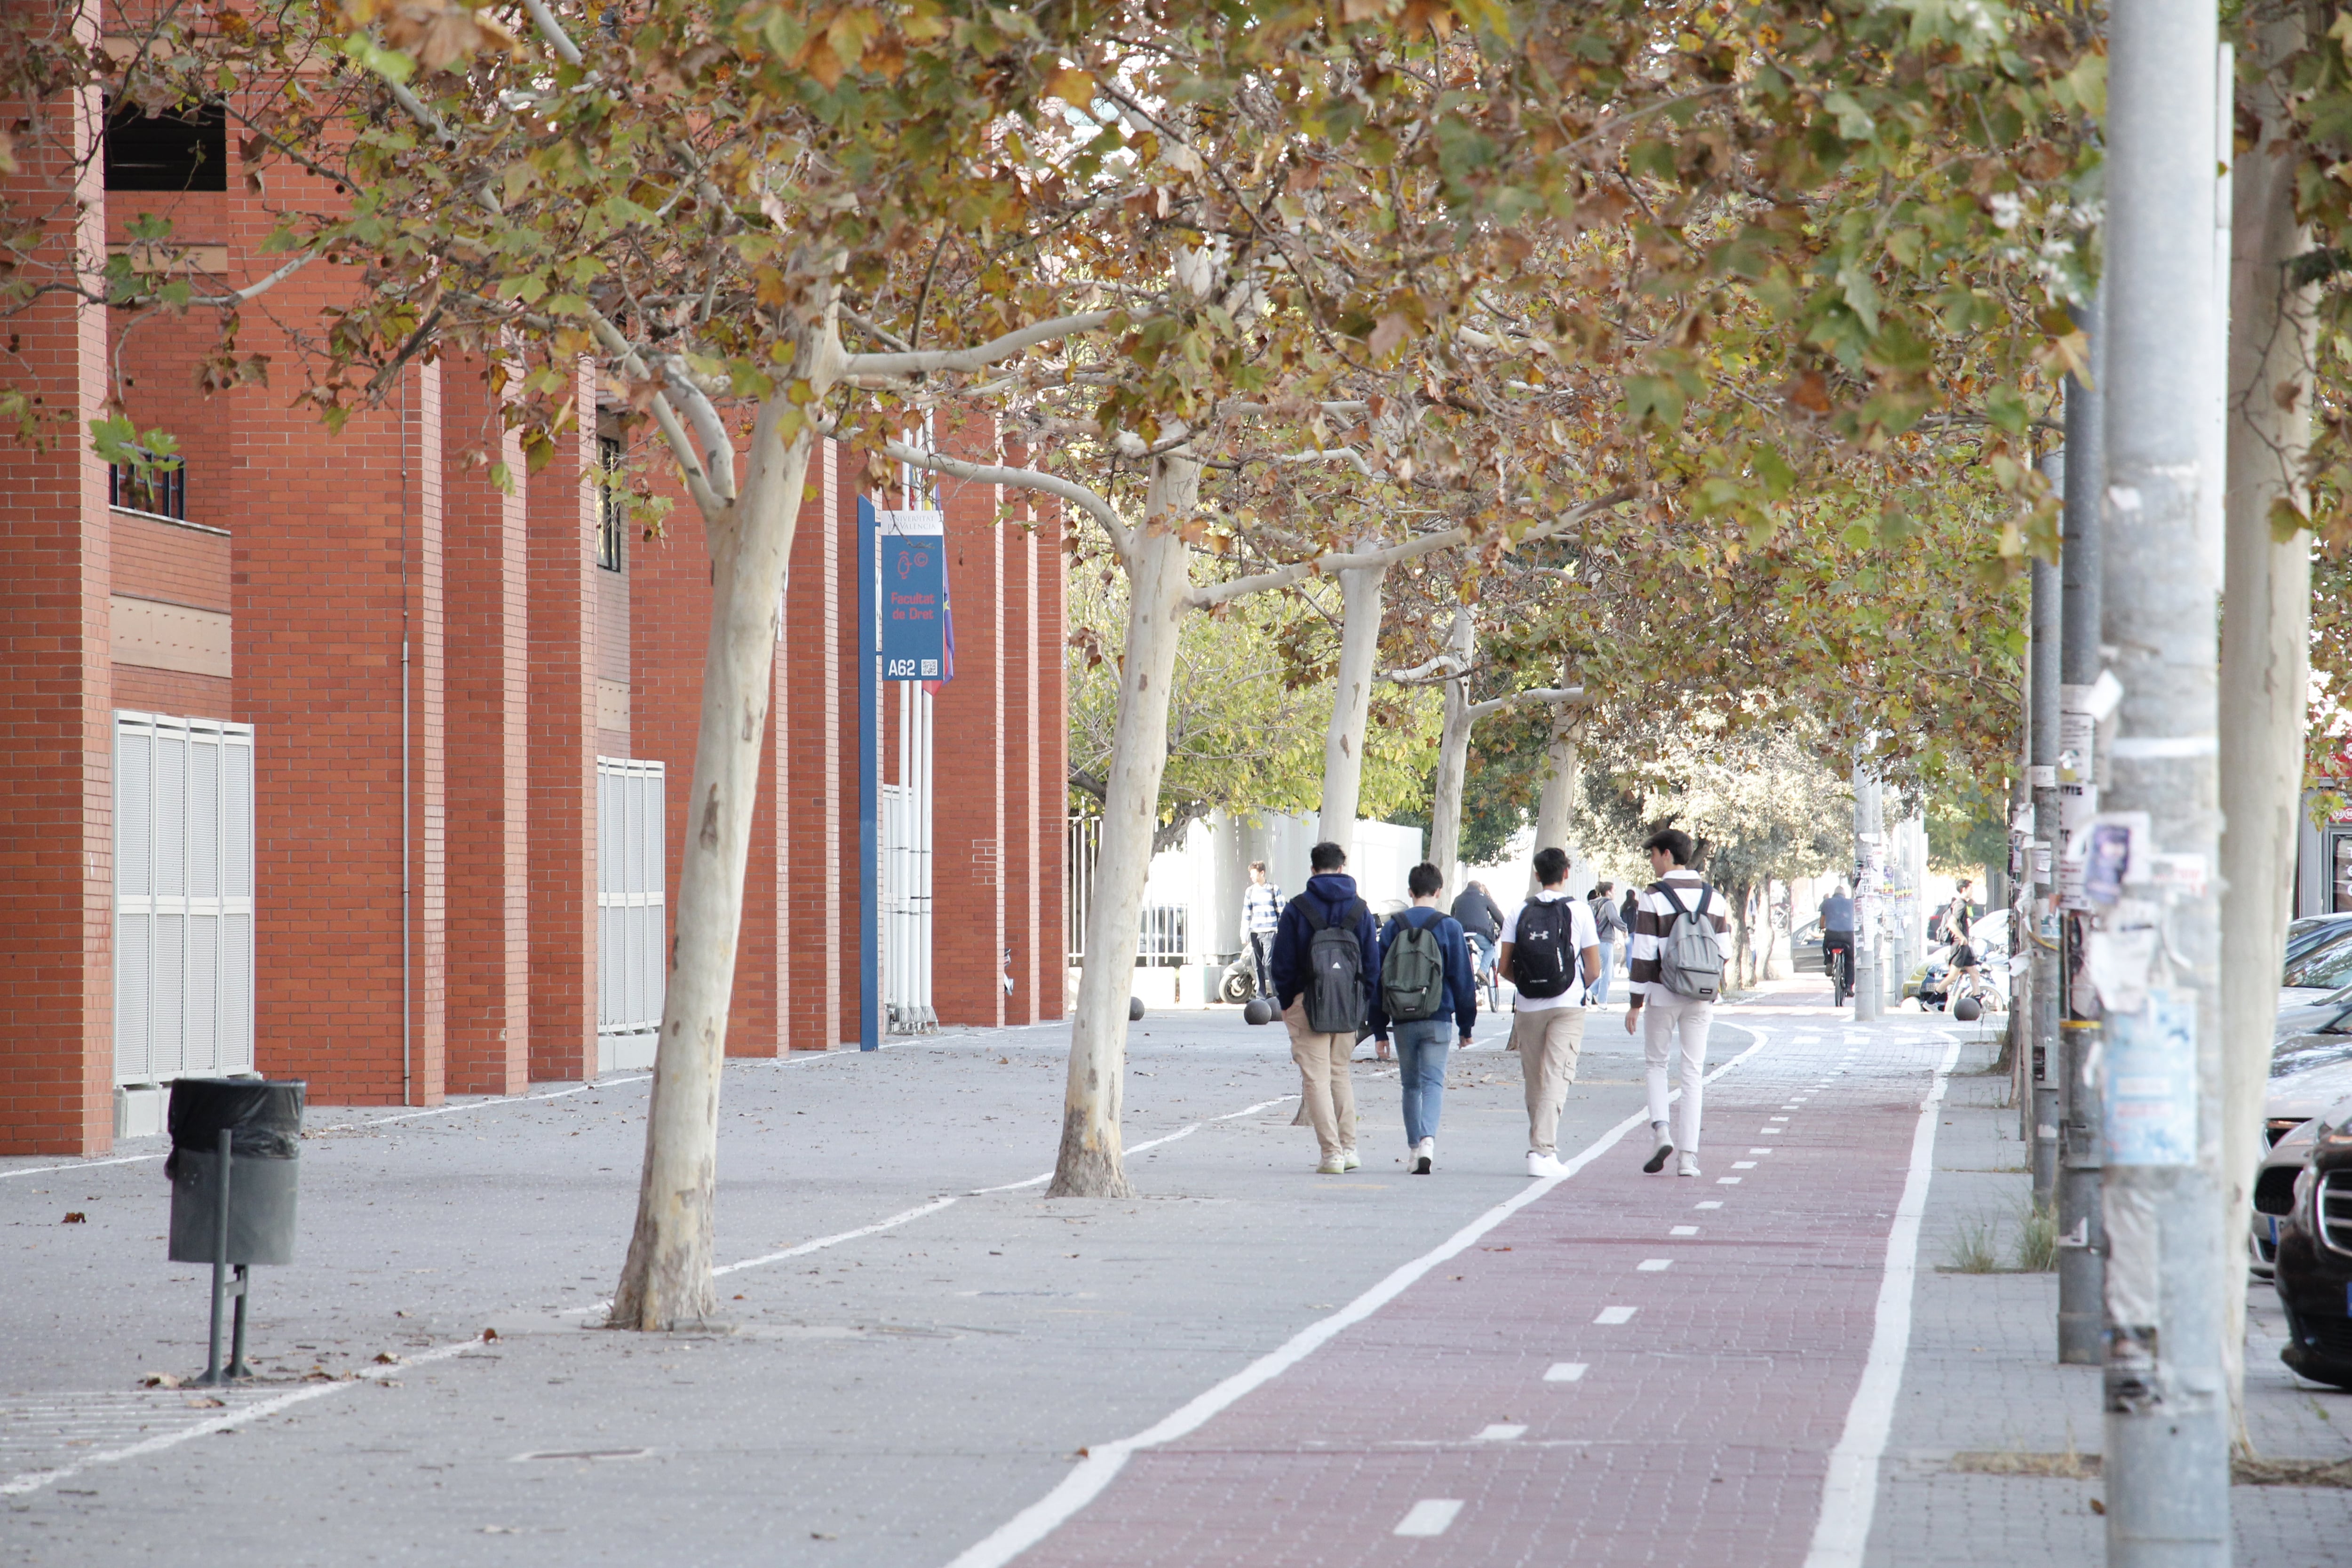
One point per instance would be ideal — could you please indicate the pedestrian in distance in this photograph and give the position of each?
(1325, 965)
(1261, 916)
(1680, 936)
(1610, 926)
(1426, 986)
(1481, 919)
(1551, 956)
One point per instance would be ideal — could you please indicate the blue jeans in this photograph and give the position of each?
(1420, 1067)
(1600, 986)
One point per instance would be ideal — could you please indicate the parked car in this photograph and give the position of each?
(1805, 949)
(2311, 930)
(2312, 1269)
(2290, 1109)
(2324, 966)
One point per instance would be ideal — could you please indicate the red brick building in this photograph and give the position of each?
(455, 698)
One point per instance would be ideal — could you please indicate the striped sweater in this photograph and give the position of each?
(1653, 917)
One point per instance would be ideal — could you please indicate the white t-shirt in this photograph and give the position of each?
(1583, 934)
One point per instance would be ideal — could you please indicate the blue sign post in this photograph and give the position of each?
(905, 632)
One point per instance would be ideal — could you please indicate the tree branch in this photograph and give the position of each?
(920, 361)
(1203, 597)
(1077, 495)
(552, 31)
(681, 445)
(1554, 694)
(719, 452)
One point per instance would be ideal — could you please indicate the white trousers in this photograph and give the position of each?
(1663, 1017)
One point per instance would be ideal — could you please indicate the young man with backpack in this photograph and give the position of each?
(1610, 927)
(1550, 955)
(1425, 981)
(1325, 968)
(1680, 937)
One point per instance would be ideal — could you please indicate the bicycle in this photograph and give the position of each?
(1482, 953)
(1838, 964)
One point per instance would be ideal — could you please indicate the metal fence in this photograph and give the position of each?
(1165, 934)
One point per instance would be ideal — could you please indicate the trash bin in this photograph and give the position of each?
(263, 1121)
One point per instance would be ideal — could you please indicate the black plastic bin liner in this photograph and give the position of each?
(264, 1118)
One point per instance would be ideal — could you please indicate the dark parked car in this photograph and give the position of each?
(2313, 1270)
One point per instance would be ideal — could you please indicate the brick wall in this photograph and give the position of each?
(808, 725)
(56, 1047)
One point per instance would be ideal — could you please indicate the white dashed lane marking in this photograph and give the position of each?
(1500, 1432)
(1654, 1265)
(1565, 1372)
(1683, 1230)
(1430, 1516)
(1612, 1316)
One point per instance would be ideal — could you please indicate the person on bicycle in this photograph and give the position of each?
(1837, 940)
(1481, 919)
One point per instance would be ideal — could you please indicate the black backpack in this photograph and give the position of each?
(1541, 955)
(1334, 969)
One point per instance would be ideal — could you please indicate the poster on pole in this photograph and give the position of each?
(916, 644)
(2151, 1076)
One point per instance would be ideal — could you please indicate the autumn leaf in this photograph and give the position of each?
(1072, 85)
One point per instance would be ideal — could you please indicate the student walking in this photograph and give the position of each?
(1426, 986)
(1261, 916)
(1325, 965)
(1679, 939)
(1609, 926)
(1550, 956)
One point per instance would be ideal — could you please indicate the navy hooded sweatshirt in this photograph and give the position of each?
(1329, 892)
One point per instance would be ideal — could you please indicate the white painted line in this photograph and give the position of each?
(1148, 1143)
(1759, 1150)
(1709, 1204)
(822, 1241)
(34, 1480)
(1565, 1372)
(500, 1100)
(1430, 1516)
(1654, 1265)
(1500, 1432)
(1727, 1181)
(1850, 1494)
(1612, 1316)
(77, 1165)
(1743, 1164)
(1086, 1479)
(1683, 1230)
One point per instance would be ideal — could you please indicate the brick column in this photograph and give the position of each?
(1052, 762)
(489, 1016)
(562, 830)
(969, 742)
(1025, 927)
(853, 935)
(56, 851)
(808, 725)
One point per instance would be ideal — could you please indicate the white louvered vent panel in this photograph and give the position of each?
(200, 1004)
(237, 992)
(134, 808)
(134, 940)
(237, 815)
(169, 996)
(170, 876)
(630, 928)
(184, 898)
(203, 813)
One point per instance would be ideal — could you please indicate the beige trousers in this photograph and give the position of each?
(1325, 1084)
(1547, 1044)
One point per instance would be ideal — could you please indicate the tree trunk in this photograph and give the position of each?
(1453, 756)
(1562, 775)
(666, 1278)
(1352, 702)
(2265, 626)
(1091, 1164)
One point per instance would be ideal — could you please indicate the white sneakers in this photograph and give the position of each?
(1543, 1164)
(1334, 1166)
(1423, 1154)
(1350, 1159)
(1689, 1166)
(1657, 1160)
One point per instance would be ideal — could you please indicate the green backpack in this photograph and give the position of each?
(1412, 973)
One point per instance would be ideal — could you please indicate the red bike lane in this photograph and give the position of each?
(1632, 1369)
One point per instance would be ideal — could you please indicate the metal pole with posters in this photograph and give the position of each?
(2041, 778)
(2149, 853)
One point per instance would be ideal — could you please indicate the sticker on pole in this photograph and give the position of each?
(912, 550)
(2151, 1071)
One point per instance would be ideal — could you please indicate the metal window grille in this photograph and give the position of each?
(159, 491)
(1085, 845)
(631, 921)
(182, 897)
(608, 505)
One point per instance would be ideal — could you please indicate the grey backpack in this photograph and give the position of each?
(1334, 969)
(1690, 954)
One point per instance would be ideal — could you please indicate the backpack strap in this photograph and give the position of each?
(1307, 912)
(1674, 903)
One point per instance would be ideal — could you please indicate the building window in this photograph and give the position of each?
(179, 150)
(158, 490)
(608, 504)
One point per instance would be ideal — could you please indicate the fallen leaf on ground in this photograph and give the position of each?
(160, 1380)
(385, 1358)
